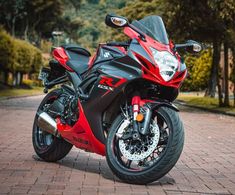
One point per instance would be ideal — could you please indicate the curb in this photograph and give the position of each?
(183, 103)
(15, 97)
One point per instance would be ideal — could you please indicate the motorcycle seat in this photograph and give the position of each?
(78, 58)
(78, 66)
(76, 49)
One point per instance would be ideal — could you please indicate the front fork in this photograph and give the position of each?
(141, 121)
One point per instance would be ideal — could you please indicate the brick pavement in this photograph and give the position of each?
(207, 164)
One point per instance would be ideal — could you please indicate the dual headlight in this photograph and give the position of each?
(166, 62)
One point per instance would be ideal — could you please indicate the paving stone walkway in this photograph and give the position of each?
(206, 166)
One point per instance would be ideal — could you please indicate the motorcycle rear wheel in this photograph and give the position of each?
(161, 160)
(47, 146)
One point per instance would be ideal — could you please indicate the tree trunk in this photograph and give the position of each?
(232, 77)
(18, 75)
(214, 69)
(26, 31)
(234, 95)
(14, 77)
(218, 72)
(226, 76)
(6, 76)
(13, 26)
(21, 78)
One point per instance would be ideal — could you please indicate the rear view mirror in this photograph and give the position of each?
(194, 47)
(190, 46)
(115, 21)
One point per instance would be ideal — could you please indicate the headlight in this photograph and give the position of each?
(166, 62)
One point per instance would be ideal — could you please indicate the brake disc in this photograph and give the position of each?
(143, 149)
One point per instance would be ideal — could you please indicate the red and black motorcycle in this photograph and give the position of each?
(116, 103)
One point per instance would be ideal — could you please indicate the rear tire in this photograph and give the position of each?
(47, 146)
(161, 166)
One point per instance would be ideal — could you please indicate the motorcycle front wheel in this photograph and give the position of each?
(150, 157)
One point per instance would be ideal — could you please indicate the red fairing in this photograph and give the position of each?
(60, 55)
(81, 134)
(135, 100)
(151, 70)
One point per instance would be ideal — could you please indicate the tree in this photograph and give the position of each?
(32, 19)
(198, 20)
(44, 15)
(11, 12)
(205, 20)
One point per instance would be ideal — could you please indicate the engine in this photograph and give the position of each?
(65, 107)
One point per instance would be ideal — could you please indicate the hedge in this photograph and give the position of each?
(18, 56)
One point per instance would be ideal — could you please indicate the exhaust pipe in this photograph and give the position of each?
(47, 123)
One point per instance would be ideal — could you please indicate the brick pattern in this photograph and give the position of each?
(207, 164)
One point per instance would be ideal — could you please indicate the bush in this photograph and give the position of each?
(198, 71)
(24, 56)
(18, 57)
(7, 51)
(31, 83)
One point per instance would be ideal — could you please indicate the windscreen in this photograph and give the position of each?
(154, 27)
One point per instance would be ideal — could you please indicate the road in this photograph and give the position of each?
(206, 166)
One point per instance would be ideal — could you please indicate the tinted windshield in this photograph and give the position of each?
(154, 27)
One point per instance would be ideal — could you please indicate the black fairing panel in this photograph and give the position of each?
(121, 73)
(137, 48)
(106, 53)
(78, 58)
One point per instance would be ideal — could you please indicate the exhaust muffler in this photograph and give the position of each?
(47, 123)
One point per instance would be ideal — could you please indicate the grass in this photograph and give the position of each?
(205, 102)
(20, 92)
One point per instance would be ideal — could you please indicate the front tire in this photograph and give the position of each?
(47, 146)
(157, 164)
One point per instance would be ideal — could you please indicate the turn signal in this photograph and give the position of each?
(140, 117)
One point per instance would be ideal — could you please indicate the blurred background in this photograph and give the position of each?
(28, 30)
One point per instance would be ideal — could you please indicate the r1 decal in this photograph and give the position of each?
(109, 83)
(106, 81)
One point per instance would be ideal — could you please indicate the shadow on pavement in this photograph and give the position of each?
(104, 170)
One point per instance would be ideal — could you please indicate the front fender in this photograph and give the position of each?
(159, 103)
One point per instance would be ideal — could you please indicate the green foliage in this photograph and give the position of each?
(198, 70)
(37, 60)
(138, 9)
(33, 19)
(24, 56)
(7, 50)
(92, 29)
(46, 46)
(18, 55)
(204, 102)
(20, 92)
